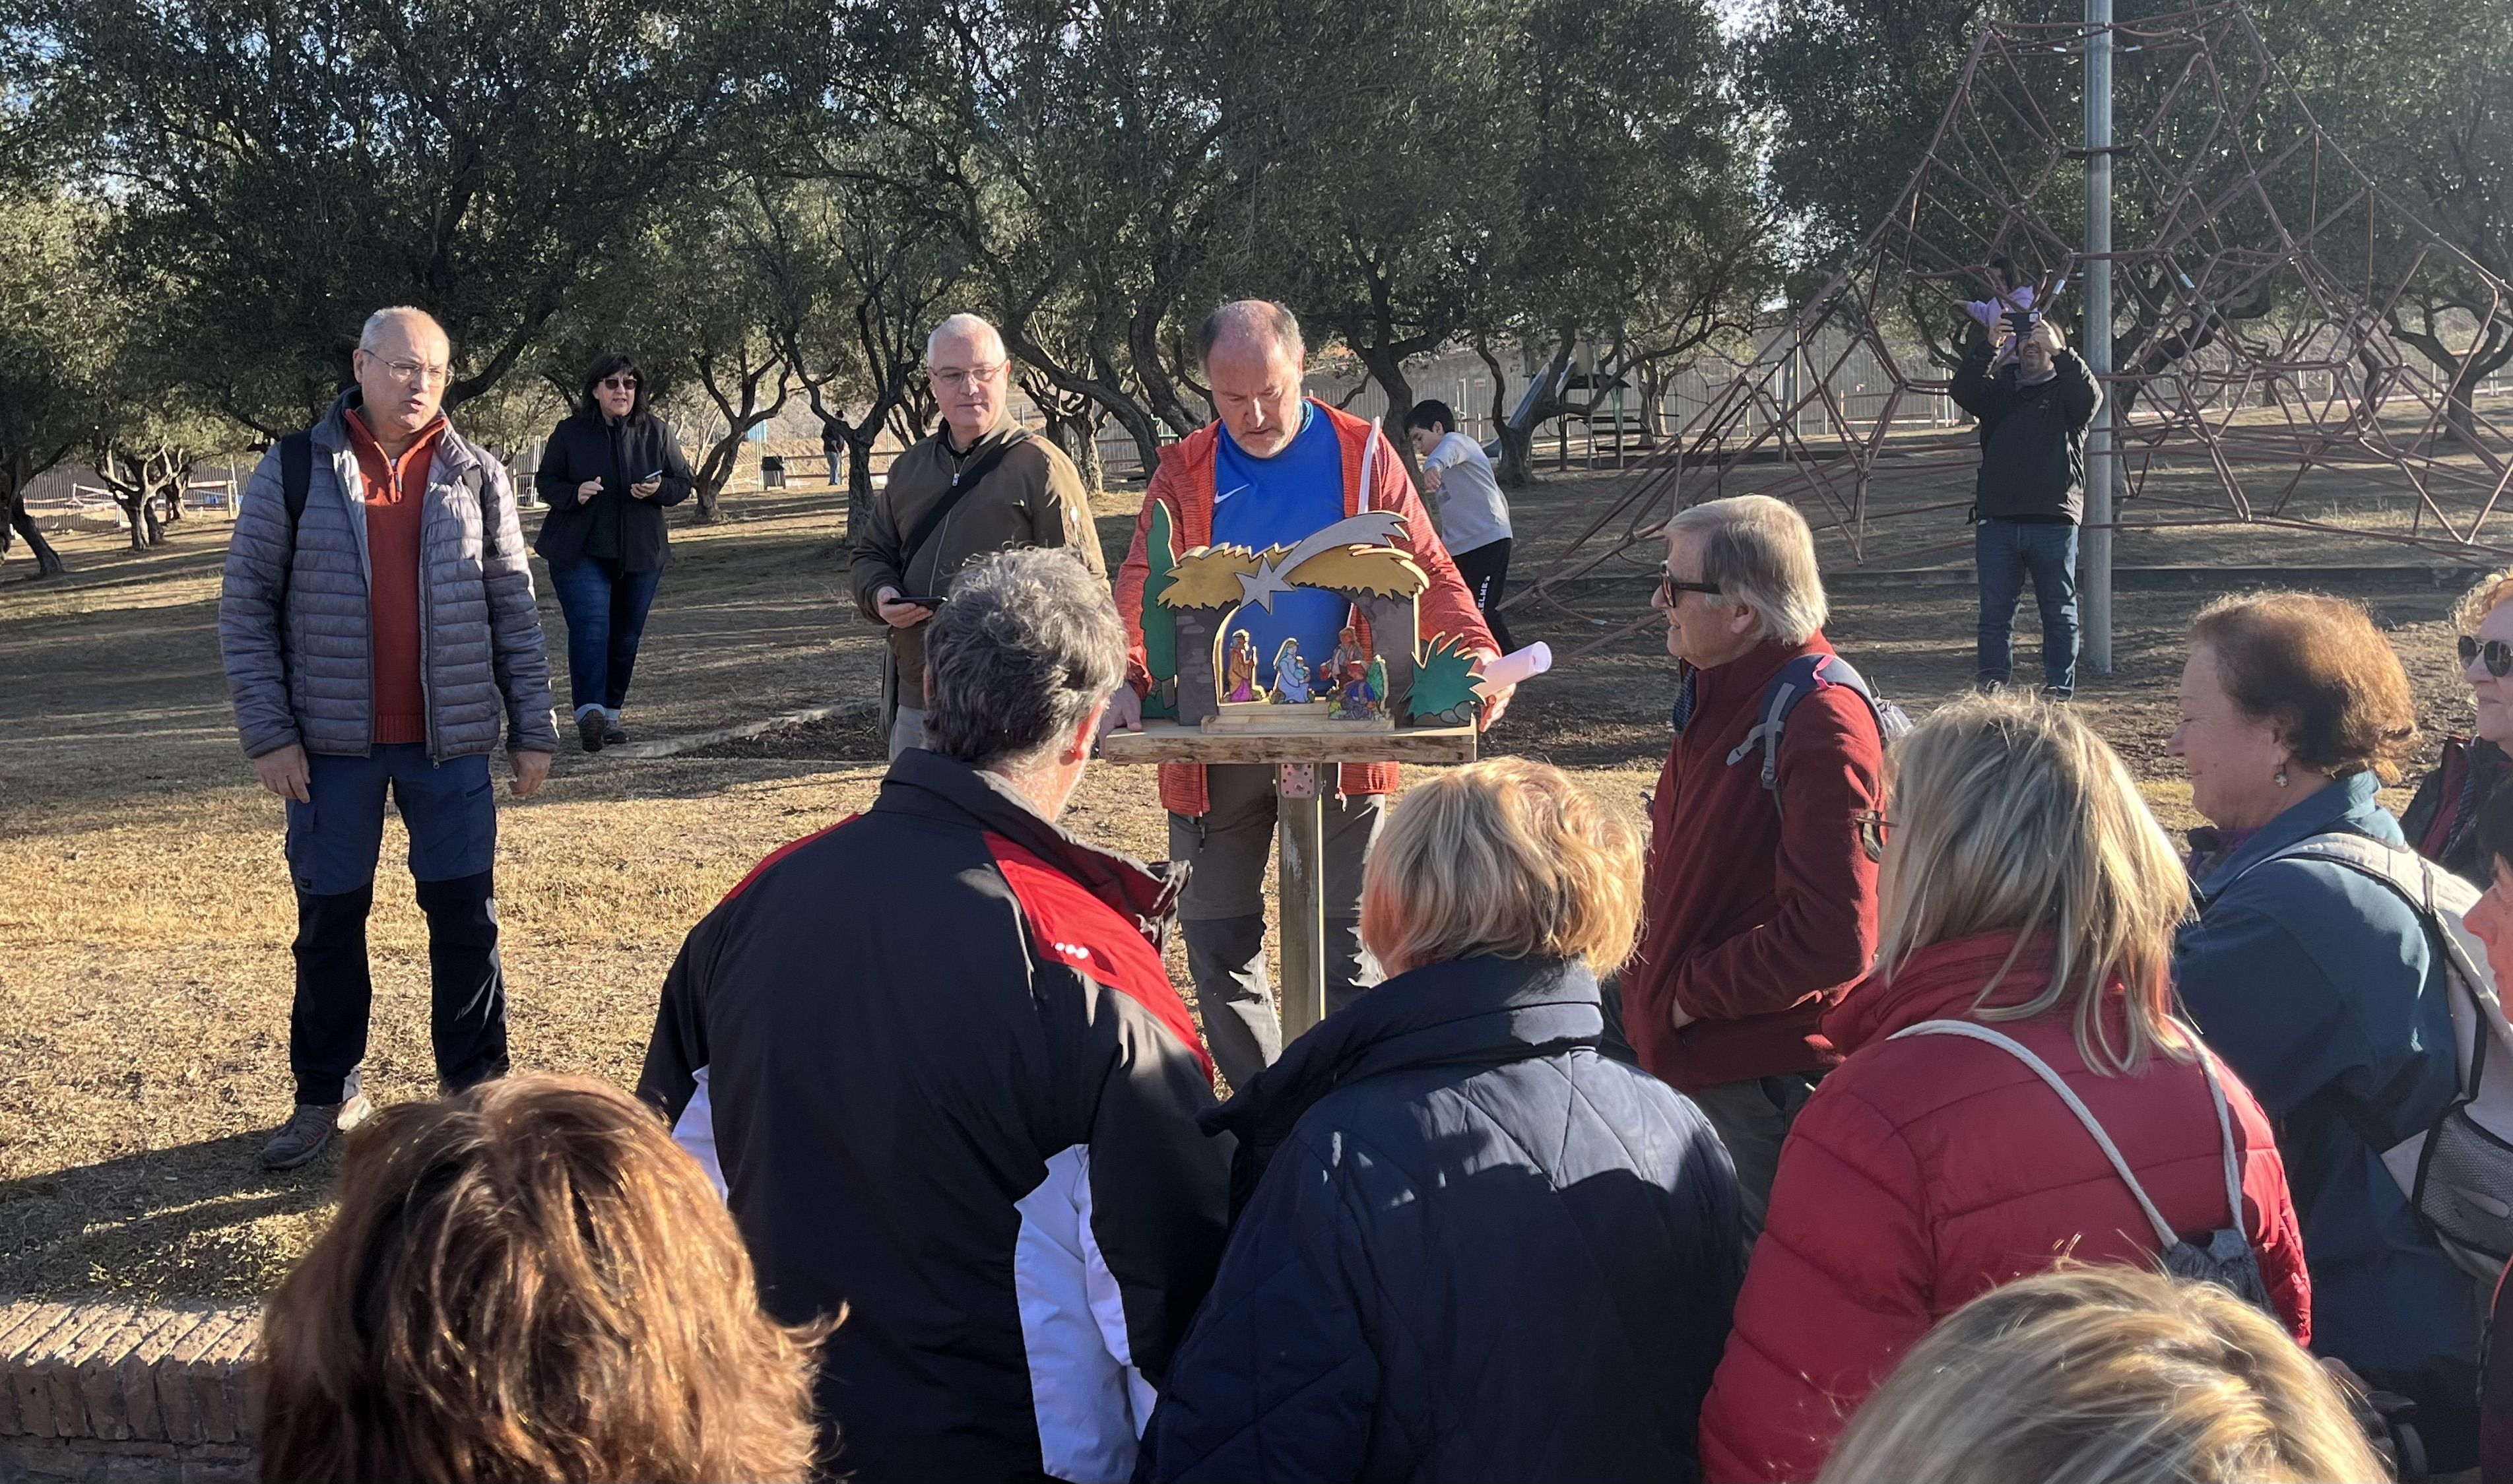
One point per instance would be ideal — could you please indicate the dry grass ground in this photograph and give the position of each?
(145, 912)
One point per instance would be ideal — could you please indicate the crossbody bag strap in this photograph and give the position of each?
(2165, 1235)
(2225, 1127)
(961, 484)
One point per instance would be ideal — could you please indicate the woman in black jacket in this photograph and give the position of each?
(1467, 1245)
(606, 474)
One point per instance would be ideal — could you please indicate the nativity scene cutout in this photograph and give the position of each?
(1207, 672)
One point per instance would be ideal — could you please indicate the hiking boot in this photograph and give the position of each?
(613, 734)
(310, 1128)
(590, 727)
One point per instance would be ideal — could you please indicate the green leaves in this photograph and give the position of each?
(280, 168)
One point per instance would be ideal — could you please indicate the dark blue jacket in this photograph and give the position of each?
(1472, 1248)
(2315, 984)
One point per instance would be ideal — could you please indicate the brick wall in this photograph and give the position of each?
(104, 1393)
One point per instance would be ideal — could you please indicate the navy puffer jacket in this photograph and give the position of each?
(1472, 1248)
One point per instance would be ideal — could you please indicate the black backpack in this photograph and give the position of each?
(297, 478)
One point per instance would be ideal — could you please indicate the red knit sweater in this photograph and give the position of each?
(1761, 911)
(396, 491)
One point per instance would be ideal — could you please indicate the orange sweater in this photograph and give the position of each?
(396, 490)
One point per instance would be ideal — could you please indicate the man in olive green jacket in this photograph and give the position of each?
(979, 484)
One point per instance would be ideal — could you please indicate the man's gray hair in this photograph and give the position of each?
(398, 314)
(974, 328)
(1260, 321)
(1026, 647)
(1758, 551)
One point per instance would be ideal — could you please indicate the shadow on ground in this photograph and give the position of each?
(208, 1246)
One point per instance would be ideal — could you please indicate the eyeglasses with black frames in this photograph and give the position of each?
(1669, 584)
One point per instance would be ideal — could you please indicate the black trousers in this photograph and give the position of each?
(1485, 569)
(327, 1025)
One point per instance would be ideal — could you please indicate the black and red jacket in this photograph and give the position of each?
(936, 1059)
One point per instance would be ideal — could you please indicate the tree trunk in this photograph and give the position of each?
(1516, 480)
(1131, 414)
(1143, 348)
(2483, 361)
(1085, 450)
(1518, 434)
(860, 441)
(48, 562)
(715, 471)
(1388, 371)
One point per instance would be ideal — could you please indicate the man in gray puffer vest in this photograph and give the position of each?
(379, 627)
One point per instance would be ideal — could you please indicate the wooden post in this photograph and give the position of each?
(1299, 824)
(1300, 818)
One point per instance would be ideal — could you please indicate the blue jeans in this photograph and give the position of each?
(606, 617)
(2005, 552)
(332, 842)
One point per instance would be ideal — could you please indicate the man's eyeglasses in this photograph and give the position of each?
(417, 373)
(618, 383)
(971, 376)
(1871, 826)
(1669, 584)
(2499, 655)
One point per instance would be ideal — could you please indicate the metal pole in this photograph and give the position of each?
(2098, 581)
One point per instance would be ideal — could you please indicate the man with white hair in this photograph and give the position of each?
(380, 632)
(979, 484)
(1760, 891)
(1277, 466)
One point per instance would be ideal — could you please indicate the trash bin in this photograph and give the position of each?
(772, 473)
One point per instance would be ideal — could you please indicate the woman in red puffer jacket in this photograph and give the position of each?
(2026, 892)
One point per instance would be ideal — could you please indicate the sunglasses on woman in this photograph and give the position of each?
(620, 383)
(2499, 655)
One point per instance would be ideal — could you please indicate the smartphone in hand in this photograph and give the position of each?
(924, 600)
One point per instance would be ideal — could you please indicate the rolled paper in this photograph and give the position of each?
(1521, 665)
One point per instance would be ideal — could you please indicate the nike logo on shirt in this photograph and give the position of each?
(1227, 493)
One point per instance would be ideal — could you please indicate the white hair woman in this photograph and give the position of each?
(2105, 1376)
(1456, 1199)
(2015, 1089)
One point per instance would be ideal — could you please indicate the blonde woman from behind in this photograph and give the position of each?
(1475, 1249)
(2015, 1089)
(2105, 1376)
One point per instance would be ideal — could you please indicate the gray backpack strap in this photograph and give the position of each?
(2224, 1126)
(2165, 1235)
(1766, 732)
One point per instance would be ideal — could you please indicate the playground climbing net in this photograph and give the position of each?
(2293, 347)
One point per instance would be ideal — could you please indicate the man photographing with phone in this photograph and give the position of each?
(2034, 398)
(981, 484)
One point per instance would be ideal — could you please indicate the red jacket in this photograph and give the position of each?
(1185, 483)
(1926, 1172)
(1761, 906)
